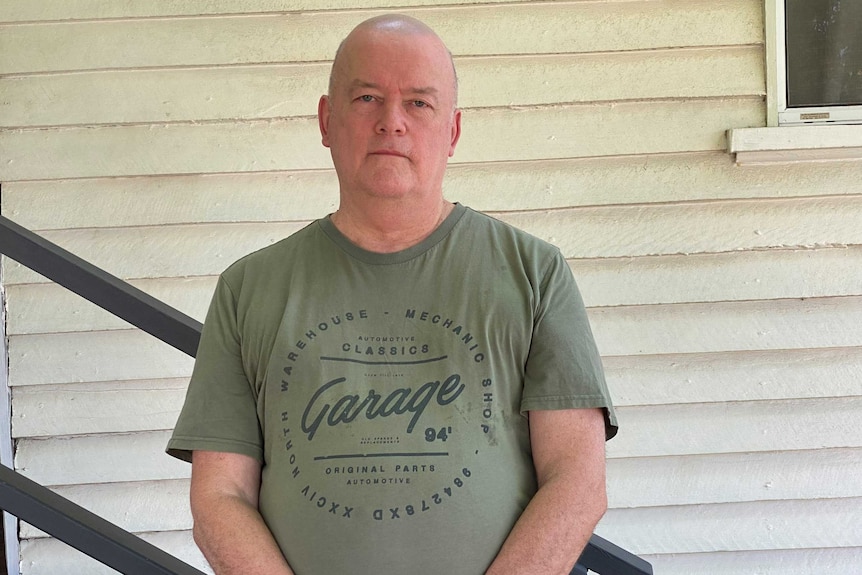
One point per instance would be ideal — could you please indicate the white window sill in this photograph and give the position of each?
(791, 144)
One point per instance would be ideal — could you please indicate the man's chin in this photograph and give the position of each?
(391, 191)
(390, 185)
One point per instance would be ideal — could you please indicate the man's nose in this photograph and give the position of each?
(392, 119)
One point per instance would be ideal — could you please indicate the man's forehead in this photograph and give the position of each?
(389, 43)
(421, 67)
(393, 45)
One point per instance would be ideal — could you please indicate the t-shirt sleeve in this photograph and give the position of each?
(564, 370)
(219, 413)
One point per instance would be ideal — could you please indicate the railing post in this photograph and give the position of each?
(10, 523)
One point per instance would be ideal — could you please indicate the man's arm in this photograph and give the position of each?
(228, 527)
(569, 456)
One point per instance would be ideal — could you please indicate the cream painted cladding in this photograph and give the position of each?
(162, 140)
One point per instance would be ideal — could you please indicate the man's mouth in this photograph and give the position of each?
(395, 153)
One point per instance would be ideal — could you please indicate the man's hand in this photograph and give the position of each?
(228, 527)
(569, 456)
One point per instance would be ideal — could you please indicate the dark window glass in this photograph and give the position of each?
(824, 52)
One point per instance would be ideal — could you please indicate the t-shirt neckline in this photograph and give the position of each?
(402, 256)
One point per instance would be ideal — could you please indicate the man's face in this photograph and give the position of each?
(390, 121)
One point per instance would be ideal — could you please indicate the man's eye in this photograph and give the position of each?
(366, 98)
(420, 103)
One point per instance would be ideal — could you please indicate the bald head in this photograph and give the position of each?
(397, 23)
(394, 24)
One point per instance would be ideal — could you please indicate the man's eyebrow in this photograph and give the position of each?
(363, 84)
(428, 91)
(420, 90)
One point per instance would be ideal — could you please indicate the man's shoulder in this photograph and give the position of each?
(274, 257)
(507, 234)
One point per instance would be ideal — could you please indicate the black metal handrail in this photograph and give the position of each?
(98, 286)
(84, 530)
(95, 536)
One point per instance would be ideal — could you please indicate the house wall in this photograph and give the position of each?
(161, 141)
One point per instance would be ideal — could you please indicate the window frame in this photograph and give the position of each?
(778, 114)
(783, 144)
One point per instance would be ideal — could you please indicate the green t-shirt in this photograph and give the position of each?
(385, 393)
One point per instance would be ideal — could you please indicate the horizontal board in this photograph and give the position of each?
(621, 331)
(202, 250)
(136, 507)
(132, 405)
(736, 276)
(633, 230)
(50, 556)
(730, 326)
(645, 432)
(162, 200)
(588, 232)
(738, 376)
(51, 308)
(730, 276)
(485, 81)
(169, 148)
(734, 478)
(494, 135)
(751, 426)
(77, 409)
(109, 458)
(781, 562)
(637, 482)
(92, 357)
(763, 525)
(42, 10)
(497, 187)
(169, 95)
(469, 30)
(276, 91)
(490, 135)
(596, 181)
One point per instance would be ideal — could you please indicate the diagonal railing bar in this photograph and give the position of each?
(84, 530)
(90, 533)
(98, 286)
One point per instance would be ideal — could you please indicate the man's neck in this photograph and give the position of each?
(389, 228)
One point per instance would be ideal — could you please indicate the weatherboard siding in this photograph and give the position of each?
(161, 141)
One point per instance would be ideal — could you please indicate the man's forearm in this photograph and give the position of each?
(569, 456)
(235, 540)
(551, 533)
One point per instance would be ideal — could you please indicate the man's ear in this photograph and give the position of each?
(323, 119)
(456, 131)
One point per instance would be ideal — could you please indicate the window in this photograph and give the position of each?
(817, 61)
(813, 85)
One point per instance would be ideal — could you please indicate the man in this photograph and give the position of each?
(405, 386)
